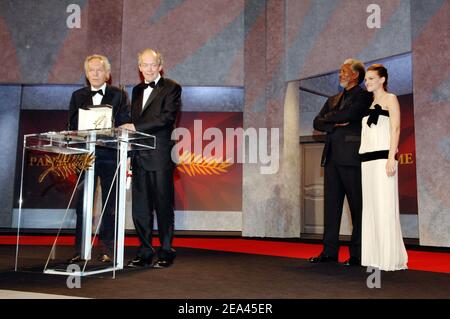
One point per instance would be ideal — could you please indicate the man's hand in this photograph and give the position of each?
(128, 126)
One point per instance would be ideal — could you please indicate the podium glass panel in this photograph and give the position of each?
(60, 175)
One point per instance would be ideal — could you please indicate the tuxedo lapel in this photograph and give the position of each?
(108, 97)
(86, 99)
(154, 93)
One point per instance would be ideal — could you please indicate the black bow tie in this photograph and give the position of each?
(151, 84)
(95, 92)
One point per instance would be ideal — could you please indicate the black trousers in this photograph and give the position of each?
(153, 191)
(341, 181)
(105, 170)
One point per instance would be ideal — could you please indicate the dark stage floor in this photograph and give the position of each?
(205, 274)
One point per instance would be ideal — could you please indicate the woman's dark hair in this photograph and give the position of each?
(381, 71)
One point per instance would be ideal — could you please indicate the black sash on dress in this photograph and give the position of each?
(373, 119)
(375, 113)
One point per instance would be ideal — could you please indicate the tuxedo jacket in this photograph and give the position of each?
(157, 118)
(115, 97)
(342, 143)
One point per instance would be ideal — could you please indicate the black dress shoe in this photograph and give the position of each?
(139, 262)
(75, 259)
(352, 261)
(163, 263)
(322, 258)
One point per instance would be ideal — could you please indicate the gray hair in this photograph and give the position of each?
(104, 61)
(357, 66)
(159, 56)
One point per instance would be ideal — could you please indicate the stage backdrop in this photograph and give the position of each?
(407, 157)
(208, 183)
(212, 183)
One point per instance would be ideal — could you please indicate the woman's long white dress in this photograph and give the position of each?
(382, 242)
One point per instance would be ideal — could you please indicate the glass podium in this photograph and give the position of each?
(59, 175)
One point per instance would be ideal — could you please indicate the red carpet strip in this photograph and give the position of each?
(418, 260)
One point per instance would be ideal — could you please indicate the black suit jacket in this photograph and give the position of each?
(115, 97)
(342, 143)
(157, 118)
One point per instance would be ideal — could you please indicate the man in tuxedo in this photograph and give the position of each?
(98, 70)
(341, 118)
(154, 109)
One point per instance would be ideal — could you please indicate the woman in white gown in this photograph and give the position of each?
(382, 244)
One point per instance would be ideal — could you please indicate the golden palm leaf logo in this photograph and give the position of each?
(65, 165)
(192, 164)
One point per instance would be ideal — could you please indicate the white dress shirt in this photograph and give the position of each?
(148, 91)
(97, 98)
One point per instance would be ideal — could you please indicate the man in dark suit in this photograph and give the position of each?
(155, 106)
(98, 70)
(341, 118)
